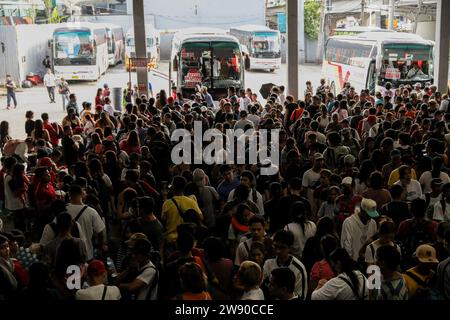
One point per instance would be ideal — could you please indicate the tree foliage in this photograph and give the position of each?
(312, 18)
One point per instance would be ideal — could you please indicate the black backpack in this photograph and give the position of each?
(75, 232)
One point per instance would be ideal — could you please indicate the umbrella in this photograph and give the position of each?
(265, 89)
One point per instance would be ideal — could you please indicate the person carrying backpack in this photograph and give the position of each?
(420, 280)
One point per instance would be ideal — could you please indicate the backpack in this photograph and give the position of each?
(75, 232)
(427, 289)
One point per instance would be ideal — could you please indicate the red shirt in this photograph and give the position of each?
(52, 132)
(45, 195)
(123, 145)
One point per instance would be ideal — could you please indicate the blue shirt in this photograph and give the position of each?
(225, 188)
(209, 100)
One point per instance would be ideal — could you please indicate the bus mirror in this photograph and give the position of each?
(175, 64)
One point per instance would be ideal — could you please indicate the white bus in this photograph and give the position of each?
(207, 57)
(262, 46)
(80, 51)
(153, 50)
(116, 43)
(370, 59)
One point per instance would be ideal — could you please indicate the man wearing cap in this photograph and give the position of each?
(97, 277)
(311, 178)
(359, 227)
(419, 279)
(144, 283)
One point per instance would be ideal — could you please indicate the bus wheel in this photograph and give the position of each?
(271, 70)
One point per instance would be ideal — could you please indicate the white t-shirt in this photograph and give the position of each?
(147, 276)
(371, 251)
(48, 234)
(109, 108)
(300, 237)
(425, 180)
(50, 80)
(355, 234)
(438, 215)
(337, 289)
(254, 294)
(12, 202)
(413, 190)
(310, 180)
(242, 123)
(243, 103)
(254, 118)
(301, 277)
(91, 223)
(96, 293)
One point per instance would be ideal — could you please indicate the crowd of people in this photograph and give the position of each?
(359, 208)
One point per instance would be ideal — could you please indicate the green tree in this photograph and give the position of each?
(312, 18)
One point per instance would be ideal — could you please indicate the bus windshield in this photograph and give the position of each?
(263, 42)
(407, 62)
(73, 48)
(130, 42)
(212, 64)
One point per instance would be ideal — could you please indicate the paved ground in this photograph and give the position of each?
(36, 98)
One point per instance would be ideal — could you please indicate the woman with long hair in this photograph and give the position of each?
(312, 252)
(39, 132)
(29, 123)
(162, 100)
(322, 269)
(16, 190)
(113, 169)
(99, 98)
(301, 227)
(348, 284)
(131, 143)
(96, 143)
(193, 283)
(104, 121)
(4, 134)
(366, 152)
(271, 206)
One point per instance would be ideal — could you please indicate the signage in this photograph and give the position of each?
(392, 73)
(192, 78)
(138, 62)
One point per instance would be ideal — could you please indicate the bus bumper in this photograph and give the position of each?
(258, 63)
(81, 72)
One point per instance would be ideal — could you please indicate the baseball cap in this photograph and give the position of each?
(134, 237)
(96, 268)
(370, 207)
(347, 180)
(318, 156)
(426, 254)
(349, 159)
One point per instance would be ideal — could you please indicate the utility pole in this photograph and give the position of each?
(292, 47)
(363, 7)
(140, 45)
(391, 15)
(321, 39)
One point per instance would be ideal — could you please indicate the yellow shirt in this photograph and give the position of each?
(411, 284)
(395, 176)
(171, 215)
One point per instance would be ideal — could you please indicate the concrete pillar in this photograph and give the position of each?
(301, 31)
(292, 47)
(442, 45)
(140, 44)
(391, 15)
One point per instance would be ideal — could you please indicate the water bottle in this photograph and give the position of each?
(111, 267)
